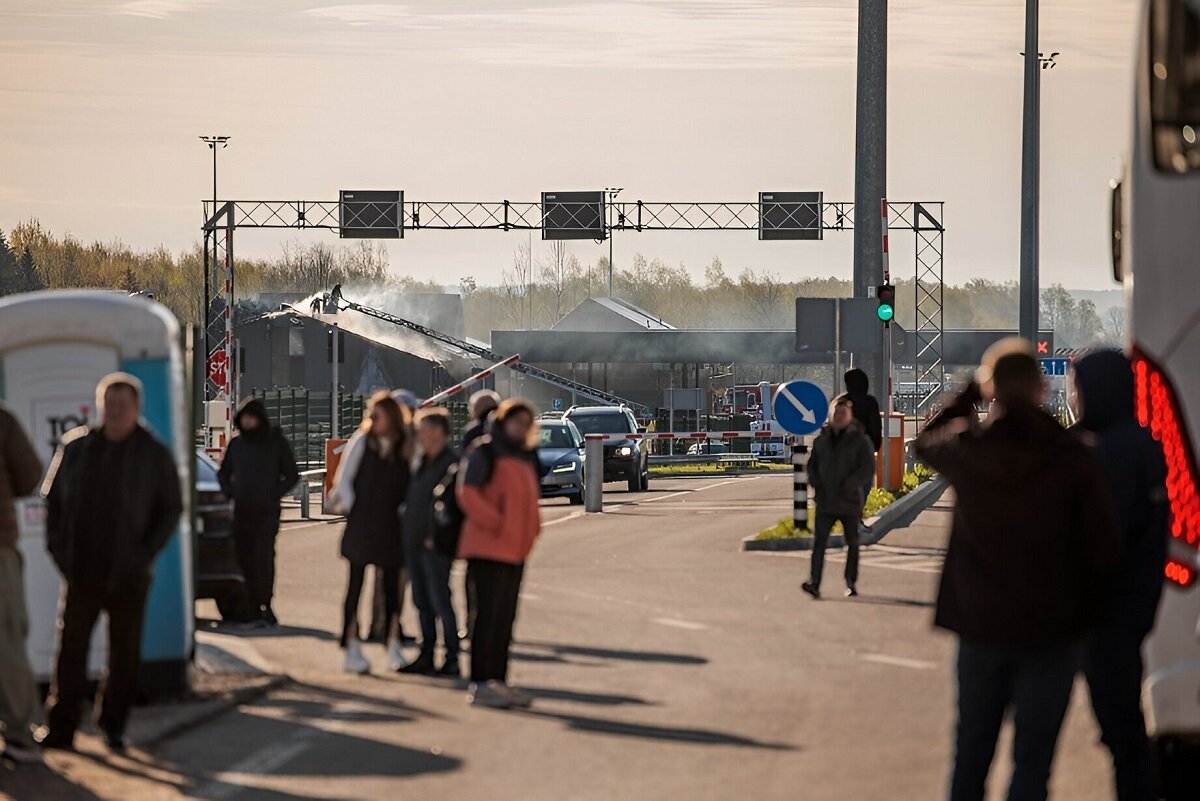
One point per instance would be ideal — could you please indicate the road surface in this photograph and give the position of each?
(665, 663)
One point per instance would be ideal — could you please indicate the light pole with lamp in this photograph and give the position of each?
(612, 191)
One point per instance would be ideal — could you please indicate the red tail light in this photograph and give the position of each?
(1158, 410)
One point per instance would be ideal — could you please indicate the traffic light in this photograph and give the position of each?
(886, 295)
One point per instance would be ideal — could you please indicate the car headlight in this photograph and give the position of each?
(625, 450)
(567, 467)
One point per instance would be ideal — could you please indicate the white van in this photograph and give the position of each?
(1156, 255)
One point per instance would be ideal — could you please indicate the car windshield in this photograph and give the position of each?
(601, 423)
(556, 436)
(206, 470)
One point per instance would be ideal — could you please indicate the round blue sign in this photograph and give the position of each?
(800, 407)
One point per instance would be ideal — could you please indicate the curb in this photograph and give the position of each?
(903, 511)
(789, 543)
(194, 715)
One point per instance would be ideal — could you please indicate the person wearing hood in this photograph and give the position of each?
(257, 471)
(1103, 403)
(866, 412)
(1033, 543)
(840, 466)
(499, 492)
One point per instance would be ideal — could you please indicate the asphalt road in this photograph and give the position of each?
(665, 663)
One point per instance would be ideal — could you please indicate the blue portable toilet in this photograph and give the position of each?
(55, 346)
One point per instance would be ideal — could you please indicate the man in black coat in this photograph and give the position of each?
(866, 412)
(481, 406)
(112, 502)
(257, 471)
(840, 465)
(1104, 402)
(1032, 547)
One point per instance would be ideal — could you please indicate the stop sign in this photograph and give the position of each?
(216, 368)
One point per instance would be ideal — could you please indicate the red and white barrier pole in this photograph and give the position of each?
(475, 379)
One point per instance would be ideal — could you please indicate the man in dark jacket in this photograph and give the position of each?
(20, 470)
(431, 528)
(1032, 546)
(840, 465)
(257, 471)
(1104, 403)
(481, 406)
(112, 502)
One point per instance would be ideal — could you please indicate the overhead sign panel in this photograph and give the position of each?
(573, 215)
(790, 215)
(371, 214)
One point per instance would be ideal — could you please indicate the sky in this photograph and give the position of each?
(673, 100)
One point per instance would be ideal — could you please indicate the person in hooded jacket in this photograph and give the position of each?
(840, 465)
(499, 493)
(1103, 403)
(369, 489)
(866, 412)
(257, 471)
(1033, 543)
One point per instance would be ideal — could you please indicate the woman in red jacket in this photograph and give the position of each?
(499, 492)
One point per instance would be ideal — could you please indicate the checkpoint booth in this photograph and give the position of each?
(55, 346)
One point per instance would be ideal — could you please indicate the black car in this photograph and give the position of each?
(624, 459)
(218, 575)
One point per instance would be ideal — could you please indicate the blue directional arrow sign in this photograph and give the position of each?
(800, 407)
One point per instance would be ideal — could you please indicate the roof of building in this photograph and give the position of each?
(610, 314)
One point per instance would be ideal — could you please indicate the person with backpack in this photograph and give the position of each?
(369, 488)
(499, 493)
(432, 522)
(840, 464)
(1103, 402)
(257, 471)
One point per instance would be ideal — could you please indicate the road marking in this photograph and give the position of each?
(529, 596)
(572, 516)
(679, 624)
(900, 661)
(243, 775)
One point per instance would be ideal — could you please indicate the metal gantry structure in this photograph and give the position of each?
(923, 218)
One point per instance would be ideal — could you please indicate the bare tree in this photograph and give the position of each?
(1114, 324)
(516, 288)
(559, 272)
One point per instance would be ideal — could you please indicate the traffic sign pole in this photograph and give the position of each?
(800, 485)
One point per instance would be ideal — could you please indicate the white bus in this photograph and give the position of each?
(1156, 255)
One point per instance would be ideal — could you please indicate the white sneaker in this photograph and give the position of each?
(355, 661)
(395, 655)
(519, 698)
(490, 694)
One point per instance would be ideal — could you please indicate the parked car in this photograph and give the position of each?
(560, 450)
(624, 459)
(218, 575)
(708, 447)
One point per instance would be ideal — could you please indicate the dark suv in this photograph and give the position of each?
(624, 459)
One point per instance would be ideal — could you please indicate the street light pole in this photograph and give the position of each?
(612, 191)
(1030, 169)
(212, 142)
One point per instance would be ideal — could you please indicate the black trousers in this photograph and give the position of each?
(821, 528)
(126, 609)
(497, 588)
(1112, 662)
(391, 599)
(254, 532)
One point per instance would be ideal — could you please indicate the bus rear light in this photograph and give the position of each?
(1158, 410)
(1180, 573)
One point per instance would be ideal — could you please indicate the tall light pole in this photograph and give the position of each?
(213, 142)
(612, 191)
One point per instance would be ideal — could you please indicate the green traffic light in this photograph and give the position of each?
(886, 312)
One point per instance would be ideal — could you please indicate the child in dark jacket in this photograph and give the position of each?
(841, 464)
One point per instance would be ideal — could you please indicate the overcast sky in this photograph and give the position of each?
(492, 99)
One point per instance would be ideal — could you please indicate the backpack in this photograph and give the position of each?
(447, 516)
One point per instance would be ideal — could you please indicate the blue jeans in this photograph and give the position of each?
(1036, 684)
(429, 572)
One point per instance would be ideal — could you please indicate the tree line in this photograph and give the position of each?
(533, 292)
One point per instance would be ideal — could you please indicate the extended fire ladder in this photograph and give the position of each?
(334, 300)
